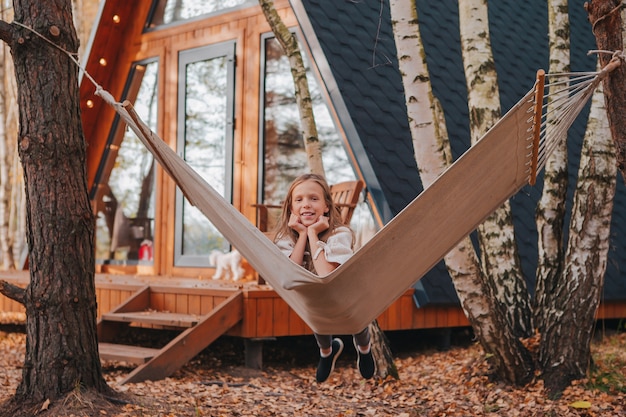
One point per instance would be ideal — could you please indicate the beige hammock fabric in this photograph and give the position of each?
(356, 293)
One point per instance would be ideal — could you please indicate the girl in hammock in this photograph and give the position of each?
(311, 234)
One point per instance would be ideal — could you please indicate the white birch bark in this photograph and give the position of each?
(382, 353)
(571, 316)
(6, 248)
(17, 199)
(551, 207)
(84, 12)
(5, 181)
(432, 154)
(500, 262)
(17, 205)
(430, 141)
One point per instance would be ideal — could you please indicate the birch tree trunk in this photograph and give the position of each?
(16, 233)
(85, 12)
(551, 207)
(499, 257)
(565, 353)
(569, 286)
(6, 249)
(303, 95)
(432, 154)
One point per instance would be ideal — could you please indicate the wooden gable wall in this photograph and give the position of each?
(121, 40)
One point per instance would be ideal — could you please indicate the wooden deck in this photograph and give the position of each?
(265, 314)
(202, 310)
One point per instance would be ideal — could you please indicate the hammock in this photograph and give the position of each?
(345, 301)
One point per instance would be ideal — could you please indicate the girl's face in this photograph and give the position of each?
(308, 203)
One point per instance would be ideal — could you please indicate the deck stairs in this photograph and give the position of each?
(194, 333)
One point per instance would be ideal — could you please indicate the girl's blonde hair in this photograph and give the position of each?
(334, 216)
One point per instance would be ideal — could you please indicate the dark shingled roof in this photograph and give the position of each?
(352, 44)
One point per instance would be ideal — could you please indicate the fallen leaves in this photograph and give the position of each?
(432, 383)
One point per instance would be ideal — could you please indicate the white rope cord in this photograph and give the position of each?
(561, 116)
(569, 93)
(72, 56)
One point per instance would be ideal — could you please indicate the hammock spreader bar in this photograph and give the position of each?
(356, 293)
(537, 113)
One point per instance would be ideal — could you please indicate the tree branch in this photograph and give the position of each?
(14, 292)
(7, 32)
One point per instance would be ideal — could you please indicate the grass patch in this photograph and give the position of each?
(608, 373)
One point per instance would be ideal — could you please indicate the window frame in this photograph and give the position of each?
(113, 145)
(186, 57)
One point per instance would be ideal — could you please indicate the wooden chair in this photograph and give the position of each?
(345, 195)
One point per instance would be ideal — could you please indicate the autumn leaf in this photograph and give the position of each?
(45, 404)
(580, 404)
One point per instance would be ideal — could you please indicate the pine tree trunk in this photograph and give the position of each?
(606, 19)
(60, 301)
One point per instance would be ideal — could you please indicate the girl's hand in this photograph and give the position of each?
(320, 225)
(295, 224)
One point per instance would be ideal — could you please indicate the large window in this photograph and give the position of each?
(284, 156)
(126, 197)
(205, 136)
(282, 146)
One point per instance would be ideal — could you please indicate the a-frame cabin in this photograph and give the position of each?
(209, 78)
(216, 87)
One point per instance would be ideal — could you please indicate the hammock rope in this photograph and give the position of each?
(568, 93)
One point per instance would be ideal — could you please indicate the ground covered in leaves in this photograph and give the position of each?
(454, 382)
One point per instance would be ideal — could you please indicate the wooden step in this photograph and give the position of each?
(191, 341)
(159, 318)
(123, 353)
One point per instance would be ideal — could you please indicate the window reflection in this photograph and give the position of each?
(284, 153)
(126, 209)
(168, 11)
(284, 156)
(205, 141)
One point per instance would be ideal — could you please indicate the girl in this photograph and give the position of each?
(312, 235)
